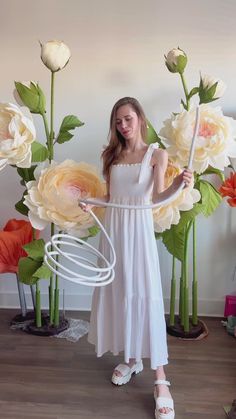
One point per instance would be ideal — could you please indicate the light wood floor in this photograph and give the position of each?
(48, 378)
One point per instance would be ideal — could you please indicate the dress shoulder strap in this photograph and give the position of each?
(146, 160)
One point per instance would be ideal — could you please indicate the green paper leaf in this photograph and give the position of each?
(43, 272)
(63, 137)
(213, 171)
(27, 268)
(152, 136)
(173, 240)
(70, 122)
(26, 174)
(93, 231)
(188, 216)
(206, 95)
(39, 152)
(21, 207)
(193, 92)
(32, 96)
(35, 249)
(211, 198)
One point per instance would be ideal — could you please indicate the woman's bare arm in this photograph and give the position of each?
(160, 166)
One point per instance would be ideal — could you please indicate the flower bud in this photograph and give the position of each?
(55, 55)
(210, 88)
(176, 60)
(31, 95)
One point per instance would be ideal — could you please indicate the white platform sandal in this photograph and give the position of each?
(163, 402)
(126, 372)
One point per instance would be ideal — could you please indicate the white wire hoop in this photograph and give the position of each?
(69, 248)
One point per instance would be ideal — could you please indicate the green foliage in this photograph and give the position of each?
(35, 249)
(93, 231)
(32, 96)
(27, 268)
(152, 136)
(69, 123)
(193, 92)
(21, 207)
(212, 171)
(173, 239)
(206, 95)
(39, 152)
(210, 197)
(43, 272)
(26, 174)
(32, 268)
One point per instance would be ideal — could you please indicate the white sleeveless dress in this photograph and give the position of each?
(128, 314)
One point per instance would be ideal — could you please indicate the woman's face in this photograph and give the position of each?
(127, 122)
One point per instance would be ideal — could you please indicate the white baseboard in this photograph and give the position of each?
(82, 302)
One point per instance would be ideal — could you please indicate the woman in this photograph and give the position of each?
(128, 314)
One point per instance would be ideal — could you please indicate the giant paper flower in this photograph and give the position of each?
(228, 188)
(17, 132)
(215, 142)
(14, 235)
(167, 215)
(53, 196)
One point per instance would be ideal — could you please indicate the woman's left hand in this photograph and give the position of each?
(185, 176)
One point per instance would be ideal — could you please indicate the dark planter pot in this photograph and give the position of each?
(47, 329)
(178, 331)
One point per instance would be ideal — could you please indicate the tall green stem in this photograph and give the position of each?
(51, 155)
(172, 296)
(194, 284)
(38, 306)
(186, 285)
(51, 136)
(185, 91)
(51, 288)
(45, 121)
(181, 295)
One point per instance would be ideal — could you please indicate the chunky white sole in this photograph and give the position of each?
(124, 379)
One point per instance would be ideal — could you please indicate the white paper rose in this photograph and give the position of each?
(215, 142)
(167, 215)
(17, 132)
(55, 55)
(176, 60)
(53, 196)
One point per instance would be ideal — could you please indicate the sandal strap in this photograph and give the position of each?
(164, 402)
(167, 383)
(123, 369)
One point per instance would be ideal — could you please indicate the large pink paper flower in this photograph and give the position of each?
(215, 141)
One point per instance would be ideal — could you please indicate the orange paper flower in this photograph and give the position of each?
(14, 235)
(228, 188)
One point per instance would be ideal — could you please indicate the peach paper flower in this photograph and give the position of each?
(167, 215)
(53, 196)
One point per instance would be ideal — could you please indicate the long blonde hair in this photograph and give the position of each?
(117, 142)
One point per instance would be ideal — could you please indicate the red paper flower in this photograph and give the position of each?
(14, 235)
(228, 188)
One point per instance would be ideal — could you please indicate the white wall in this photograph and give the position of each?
(117, 50)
